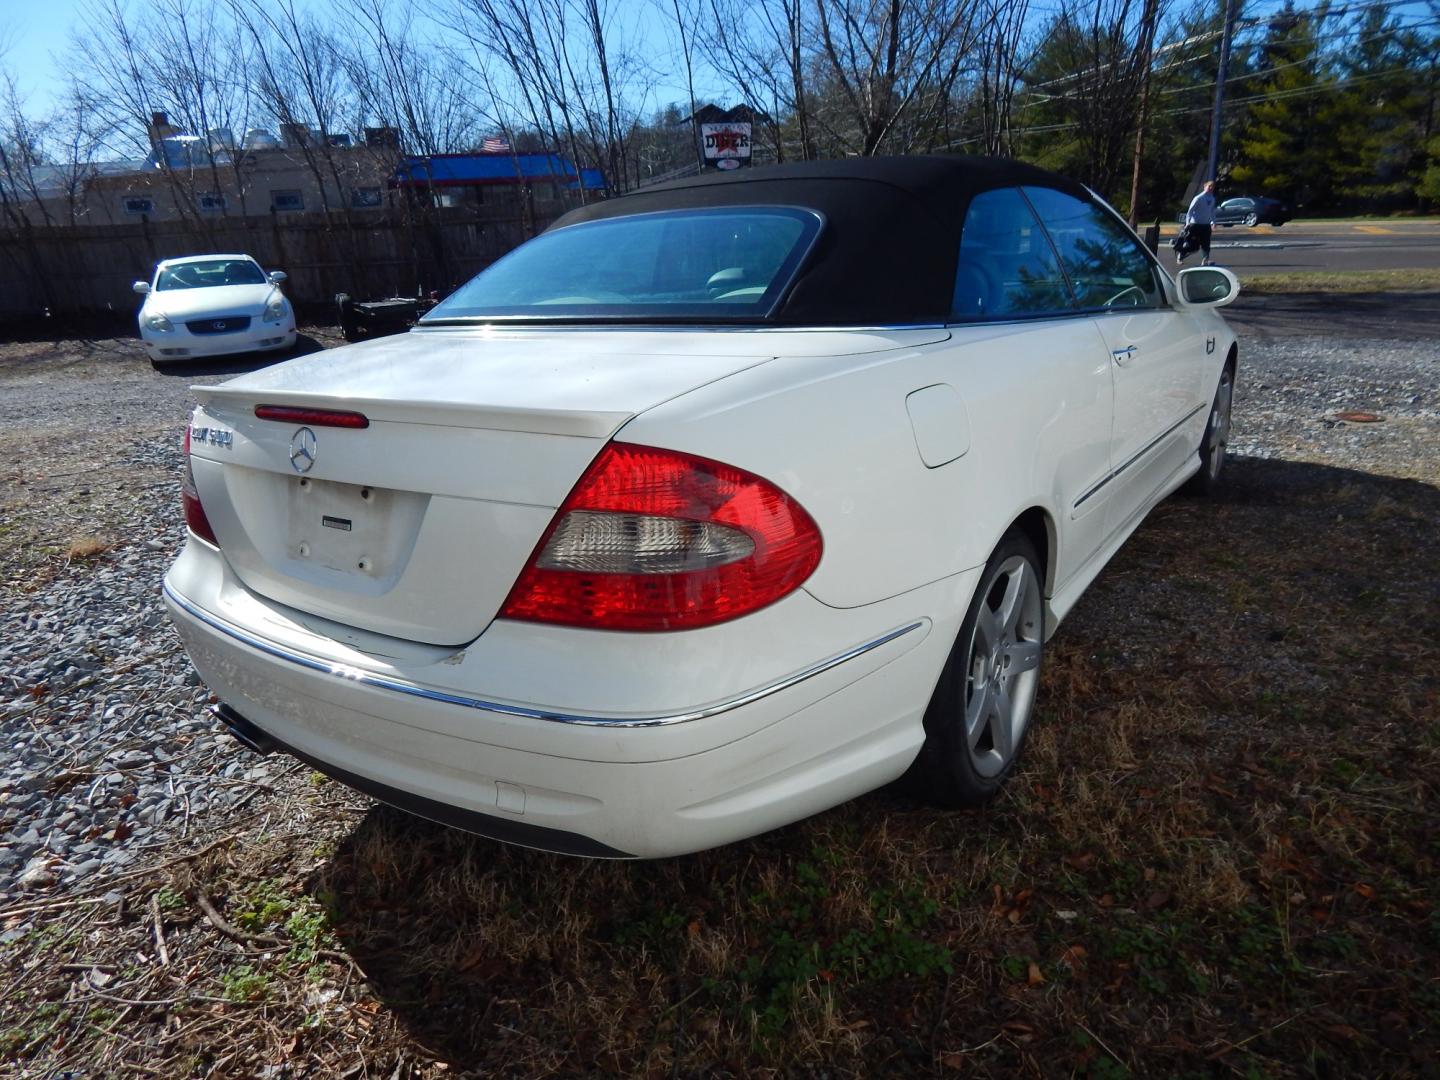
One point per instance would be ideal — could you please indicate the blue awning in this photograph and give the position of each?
(469, 170)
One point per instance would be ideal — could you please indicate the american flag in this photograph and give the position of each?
(496, 144)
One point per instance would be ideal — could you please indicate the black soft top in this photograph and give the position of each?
(887, 254)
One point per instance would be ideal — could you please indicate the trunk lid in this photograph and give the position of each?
(418, 525)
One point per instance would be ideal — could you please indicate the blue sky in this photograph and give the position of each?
(35, 29)
(38, 32)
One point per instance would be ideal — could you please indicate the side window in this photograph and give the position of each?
(1107, 266)
(1007, 268)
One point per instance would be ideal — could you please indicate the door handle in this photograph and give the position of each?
(1123, 356)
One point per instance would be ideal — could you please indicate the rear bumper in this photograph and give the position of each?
(492, 826)
(634, 786)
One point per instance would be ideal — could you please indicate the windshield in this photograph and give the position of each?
(680, 265)
(202, 275)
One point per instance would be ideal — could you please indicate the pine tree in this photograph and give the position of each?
(1286, 148)
(1376, 113)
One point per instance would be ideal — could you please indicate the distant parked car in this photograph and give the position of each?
(213, 305)
(1252, 210)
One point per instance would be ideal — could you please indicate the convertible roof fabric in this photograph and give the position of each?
(888, 252)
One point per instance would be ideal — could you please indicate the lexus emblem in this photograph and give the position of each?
(219, 324)
(302, 450)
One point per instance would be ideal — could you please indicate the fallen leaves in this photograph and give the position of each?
(1073, 958)
(1013, 909)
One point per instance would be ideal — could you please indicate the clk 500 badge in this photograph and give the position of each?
(213, 436)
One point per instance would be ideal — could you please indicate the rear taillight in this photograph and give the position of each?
(195, 517)
(658, 540)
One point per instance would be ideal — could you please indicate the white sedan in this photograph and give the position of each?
(708, 509)
(213, 305)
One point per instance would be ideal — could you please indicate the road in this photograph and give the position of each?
(1303, 246)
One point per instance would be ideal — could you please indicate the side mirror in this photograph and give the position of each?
(1208, 286)
(141, 287)
(277, 276)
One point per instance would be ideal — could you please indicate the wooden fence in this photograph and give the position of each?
(89, 269)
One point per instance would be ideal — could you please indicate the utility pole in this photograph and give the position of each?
(1147, 57)
(1213, 161)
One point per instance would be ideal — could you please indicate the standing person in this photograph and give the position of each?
(1201, 219)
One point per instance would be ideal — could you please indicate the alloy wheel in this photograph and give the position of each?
(1219, 426)
(1004, 665)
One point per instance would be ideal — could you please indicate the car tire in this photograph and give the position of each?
(979, 714)
(1252, 220)
(1216, 437)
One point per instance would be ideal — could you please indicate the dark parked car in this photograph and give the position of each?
(1252, 210)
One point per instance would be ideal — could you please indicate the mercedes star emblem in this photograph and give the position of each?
(302, 450)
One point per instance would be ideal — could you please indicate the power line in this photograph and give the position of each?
(1320, 41)
(1291, 64)
(1303, 91)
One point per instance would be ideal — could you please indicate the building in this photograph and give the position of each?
(197, 177)
(193, 178)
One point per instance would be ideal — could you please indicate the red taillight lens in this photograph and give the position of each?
(195, 517)
(659, 540)
(313, 417)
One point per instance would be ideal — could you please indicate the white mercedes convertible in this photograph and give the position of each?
(708, 509)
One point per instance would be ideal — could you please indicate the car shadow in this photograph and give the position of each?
(484, 951)
(1406, 316)
(240, 364)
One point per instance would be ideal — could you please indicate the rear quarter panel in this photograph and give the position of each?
(834, 432)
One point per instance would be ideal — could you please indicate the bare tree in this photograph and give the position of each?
(1088, 76)
(418, 86)
(76, 136)
(197, 65)
(299, 81)
(685, 19)
(22, 164)
(894, 65)
(998, 56)
(532, 58)
(759, 46)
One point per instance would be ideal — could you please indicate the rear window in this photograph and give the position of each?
(684, 265)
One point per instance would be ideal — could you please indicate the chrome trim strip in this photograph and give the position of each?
(401, 686)
(1138, 455)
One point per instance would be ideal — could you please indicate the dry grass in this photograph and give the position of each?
(84, 548)
(1219, 858)
(1344, 281)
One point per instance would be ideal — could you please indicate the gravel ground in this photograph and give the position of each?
(111, 751)
(112, 754)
